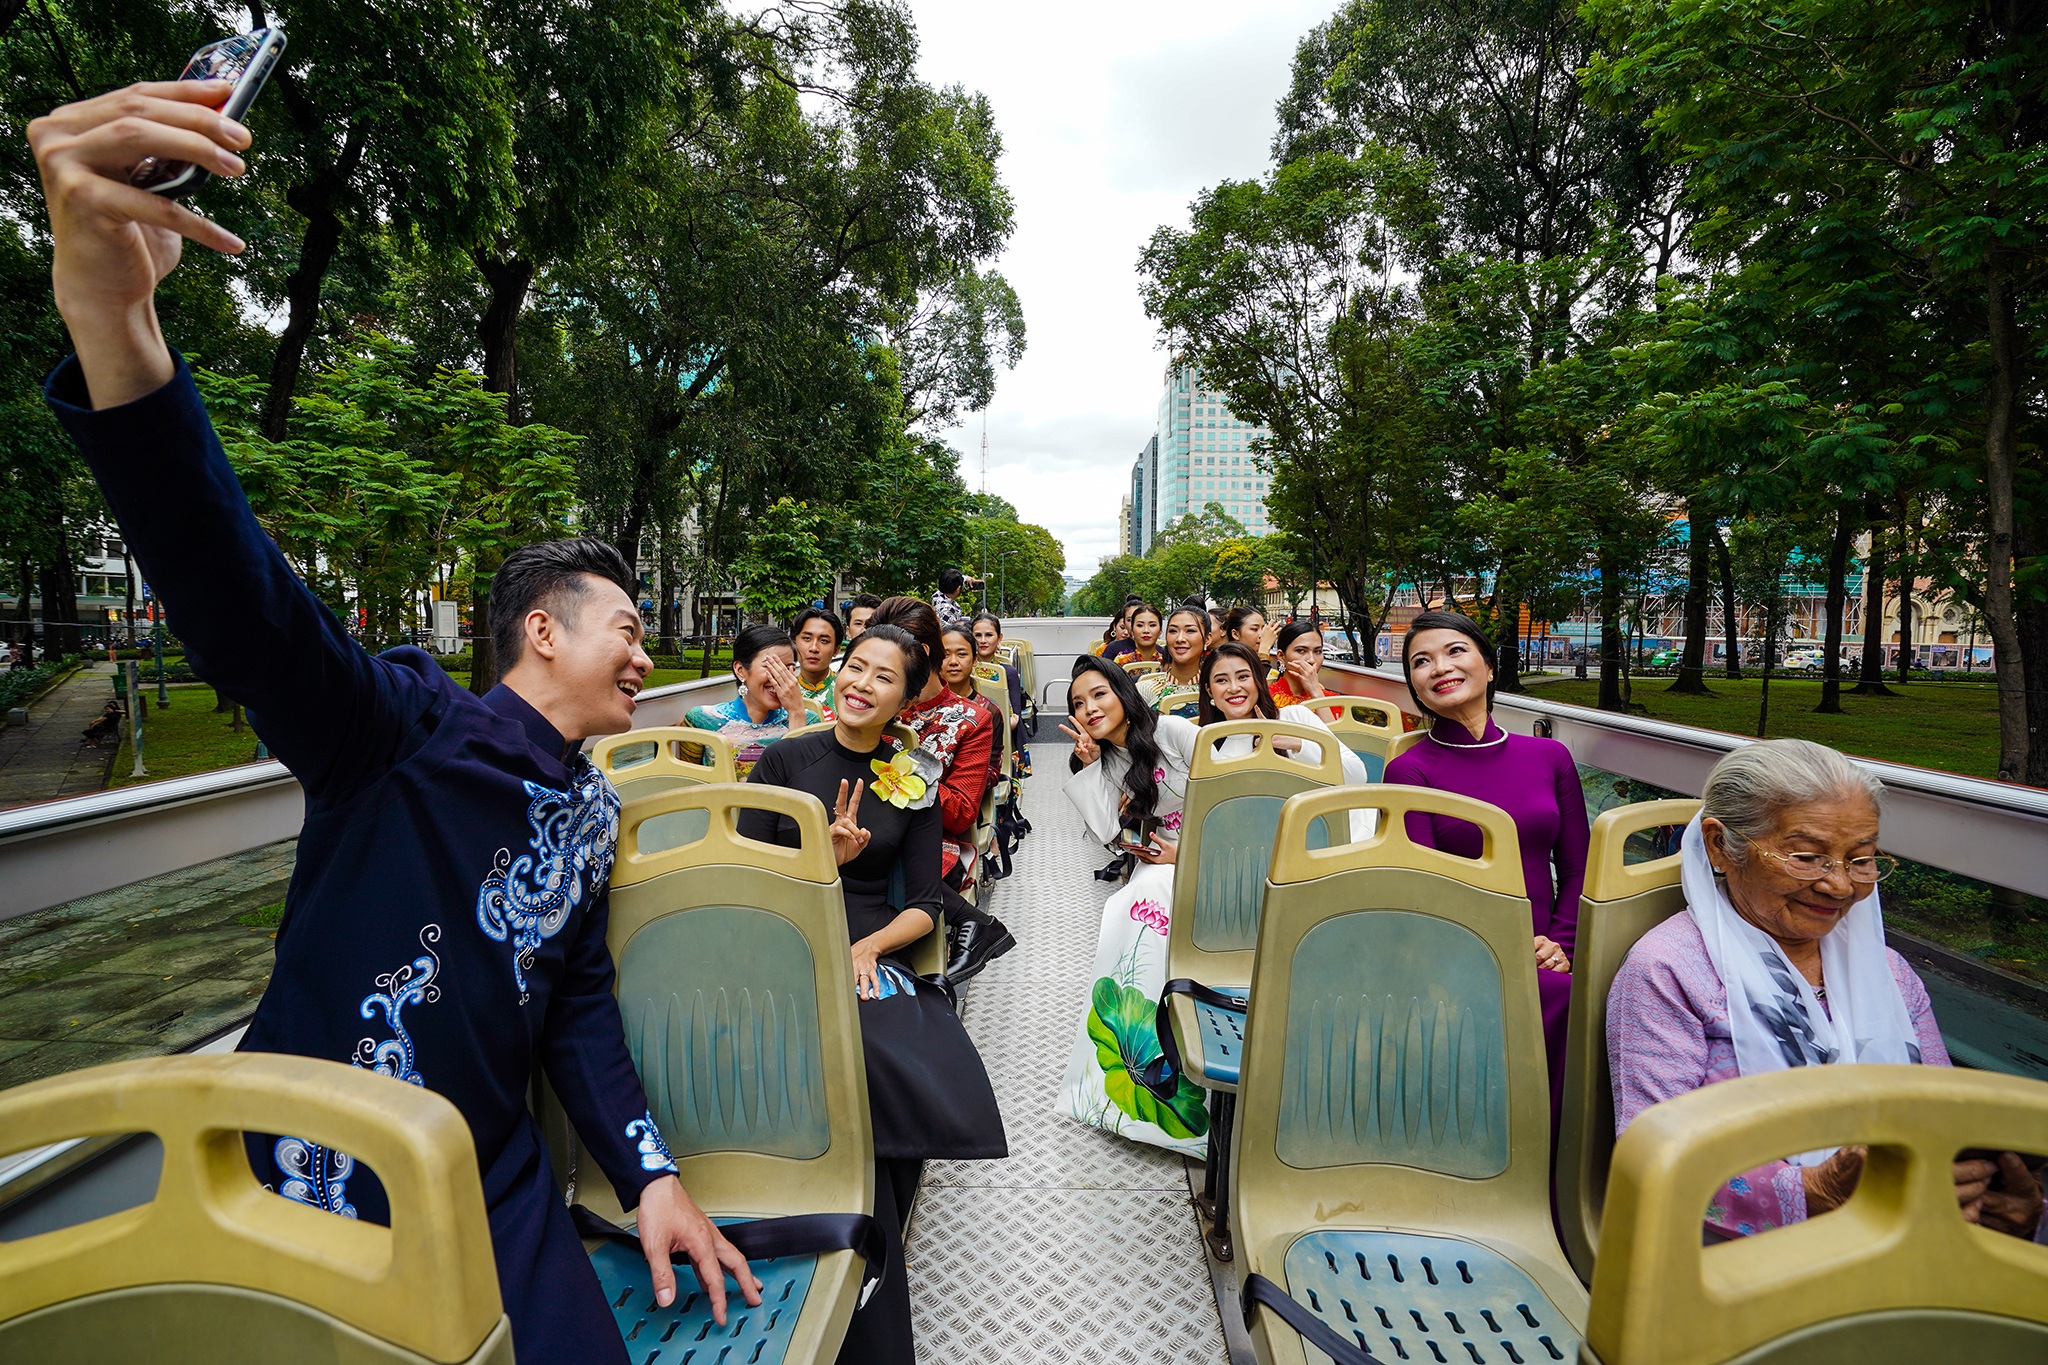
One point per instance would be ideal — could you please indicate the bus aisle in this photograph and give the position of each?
(1079, 1245)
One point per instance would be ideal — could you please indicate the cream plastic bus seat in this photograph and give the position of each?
(1169, 703)
(1391, 1164)
(1138, 668)
(661, 758)
(215, 1270)
(735, 984)
(1027, 665)
(1892, 1277)
(1370, 729)
(1622, 902)
(1226, 838)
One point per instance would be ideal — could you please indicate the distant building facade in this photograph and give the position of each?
(1205, 454)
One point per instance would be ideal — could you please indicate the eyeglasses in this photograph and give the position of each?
(1811, 867)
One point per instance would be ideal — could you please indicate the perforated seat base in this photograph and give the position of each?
(1403, 1296)
(1218, 1046)
(683, 1333)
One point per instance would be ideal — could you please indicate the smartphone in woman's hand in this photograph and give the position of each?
(246, 59)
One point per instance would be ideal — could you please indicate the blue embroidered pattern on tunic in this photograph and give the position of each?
(654, 1155)
(314, 1175)
(412, 984)
(527, 900)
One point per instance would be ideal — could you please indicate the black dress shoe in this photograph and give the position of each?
(975, 944)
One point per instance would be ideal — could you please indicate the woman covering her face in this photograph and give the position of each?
(1298, 659)
(764, 662)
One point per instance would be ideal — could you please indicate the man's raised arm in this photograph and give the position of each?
(251, 628)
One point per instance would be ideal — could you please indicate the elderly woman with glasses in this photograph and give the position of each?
(1780, 960)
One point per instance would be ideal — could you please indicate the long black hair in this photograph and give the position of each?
(751, 640)
(1210, 713)
(1464, 625)
(1141, 740)
(917, 661)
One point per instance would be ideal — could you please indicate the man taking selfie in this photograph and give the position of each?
(446, 919)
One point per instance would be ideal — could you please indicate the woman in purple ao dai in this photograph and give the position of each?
(1450, 666)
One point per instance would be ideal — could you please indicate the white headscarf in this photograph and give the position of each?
(1774, 1016)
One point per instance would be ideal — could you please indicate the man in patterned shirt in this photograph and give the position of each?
(446, 919)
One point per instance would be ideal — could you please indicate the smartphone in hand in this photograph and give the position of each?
(246, 59)
(1138, 836)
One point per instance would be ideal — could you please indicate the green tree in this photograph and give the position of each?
(782, 568)
(1889, 149)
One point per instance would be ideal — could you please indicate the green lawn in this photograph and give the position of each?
(1952, 726)
(188, 738)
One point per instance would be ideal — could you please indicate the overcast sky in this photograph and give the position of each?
(1114, 115)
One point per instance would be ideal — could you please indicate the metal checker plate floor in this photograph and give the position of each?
(1079, 1246)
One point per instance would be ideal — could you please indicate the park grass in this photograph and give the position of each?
(1949, 726)
(185, 739)
(190, 738)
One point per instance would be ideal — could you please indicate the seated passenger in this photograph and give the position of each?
(1116, 634)
(1450, 663)
(1143, 644)
(955, 746)
(1298, 654)
(1130, 780)
(1217, 633)
(1247, 626)
(1233, 690)
(956, 671)
(859, 608)
(928, 1094)
(817, 635)
(763, 659)
(988, 638)
(1780, 960)
(1187, 632)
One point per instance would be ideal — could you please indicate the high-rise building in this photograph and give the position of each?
(1144, 500)
(1205, 455)
(1123, 527)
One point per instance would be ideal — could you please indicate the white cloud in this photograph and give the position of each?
(1114, 117)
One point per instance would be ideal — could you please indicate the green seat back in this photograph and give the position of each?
(1370, 729)
(1622, 902)
(1893, 1277)
(735, 986)
(213, 1269)
(1394, 1077)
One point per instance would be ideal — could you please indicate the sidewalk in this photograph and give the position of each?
(48, 757)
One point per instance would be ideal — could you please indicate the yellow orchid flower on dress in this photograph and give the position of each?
(897, 781)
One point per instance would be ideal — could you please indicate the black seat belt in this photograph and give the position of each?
(764, 1239)
(1312, 1329)
(1162, 1074)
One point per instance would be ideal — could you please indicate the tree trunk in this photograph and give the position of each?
(128, 597)
(302, 297)
(1692, 659)
(2031, 626)
(1909, 577)
(2000, 617)
(1610, 635)
(1870, 676)
(498, 329)
(60, 603)
(1763, 706)
(1838, 603)
(25, 615)
(483, 652)
(1731, 610)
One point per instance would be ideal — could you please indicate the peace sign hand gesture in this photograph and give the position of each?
(848, 838)
(1084, 748)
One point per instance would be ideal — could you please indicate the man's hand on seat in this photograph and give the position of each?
(670, 1221)
(114, 242)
